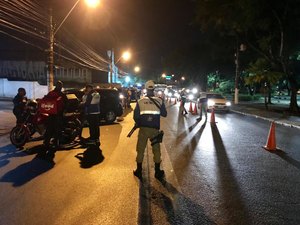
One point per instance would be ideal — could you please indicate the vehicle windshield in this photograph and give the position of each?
(215, 96)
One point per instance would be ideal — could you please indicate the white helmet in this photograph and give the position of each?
(149, 85)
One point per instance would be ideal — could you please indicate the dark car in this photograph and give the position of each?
(110, 107)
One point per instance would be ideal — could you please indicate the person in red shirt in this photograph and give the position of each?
(54, 123)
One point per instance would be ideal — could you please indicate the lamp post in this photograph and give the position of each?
(125, 56)
(52, 33)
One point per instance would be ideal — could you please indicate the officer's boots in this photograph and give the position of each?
(158, 172)
(138, 171)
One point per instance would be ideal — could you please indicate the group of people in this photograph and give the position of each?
(202, 104)
(54, 124)
(147, 115)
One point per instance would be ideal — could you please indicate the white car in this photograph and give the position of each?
(218, 102)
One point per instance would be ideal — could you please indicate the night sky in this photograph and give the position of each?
(152, 29)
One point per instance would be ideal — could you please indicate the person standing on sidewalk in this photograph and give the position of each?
(147, 115)
(202, 105)
(19, 104)
(92, 111)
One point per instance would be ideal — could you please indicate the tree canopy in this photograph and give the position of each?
(271, 29)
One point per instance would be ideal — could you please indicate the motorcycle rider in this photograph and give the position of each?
(19, 104)
(55, 121)
(147, 117)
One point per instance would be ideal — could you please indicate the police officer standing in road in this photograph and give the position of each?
(147, 117)
(202, 105)
(92, 111)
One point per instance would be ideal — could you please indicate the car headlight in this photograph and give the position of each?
(228, 103)
(210, 103)
(121, 96)
(191, 97)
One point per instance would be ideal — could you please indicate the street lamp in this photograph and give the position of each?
(183, 78)
(125, 56)
(137, 69)
(163, 75)
(92, 3)
(52, 33)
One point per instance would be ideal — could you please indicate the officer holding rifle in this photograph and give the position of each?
(147, 117)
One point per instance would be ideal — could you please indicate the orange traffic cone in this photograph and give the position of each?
(271, 142)
(212, 116)
(191, 107)
(195, 112)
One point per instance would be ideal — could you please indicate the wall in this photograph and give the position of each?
(33, 89)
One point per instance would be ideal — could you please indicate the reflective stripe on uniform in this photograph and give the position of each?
(148, 107)
(149, 112)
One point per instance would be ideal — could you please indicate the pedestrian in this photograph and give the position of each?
(92, 112)
(183, 101)
(202, 105)
(82, 113)
(147, 115)
(129, 93)
(54, 123)
(19, 104)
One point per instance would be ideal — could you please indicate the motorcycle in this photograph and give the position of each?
(35, 122)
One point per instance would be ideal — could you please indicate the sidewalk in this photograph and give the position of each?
(276, 112)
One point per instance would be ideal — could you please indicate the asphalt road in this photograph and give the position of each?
(214, 175)
(225, 171)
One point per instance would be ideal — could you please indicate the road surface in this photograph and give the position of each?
(215, 174)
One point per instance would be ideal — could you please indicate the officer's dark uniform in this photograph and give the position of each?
(147, 117)
(203, 105)
(19, 104)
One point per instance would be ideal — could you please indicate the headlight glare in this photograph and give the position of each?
(210, 103)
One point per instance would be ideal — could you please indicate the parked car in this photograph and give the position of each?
(218, 102)
(110, 107)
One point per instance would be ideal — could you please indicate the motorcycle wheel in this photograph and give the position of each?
(71, 131)
(18, 136)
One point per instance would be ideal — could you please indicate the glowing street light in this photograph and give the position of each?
(163, 75)
(52, 33)
(182, 78)
(137, 69)
(127, 79)
(126, 55)
(92, 3)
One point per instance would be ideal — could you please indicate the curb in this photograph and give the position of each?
(267, 119)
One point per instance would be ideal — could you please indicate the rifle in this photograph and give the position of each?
(132, 130)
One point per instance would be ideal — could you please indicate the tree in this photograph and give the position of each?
(270, 28)
(261, 72)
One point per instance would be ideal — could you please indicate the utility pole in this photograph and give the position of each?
(50, 77)
(237, 75)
